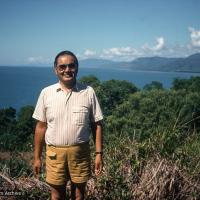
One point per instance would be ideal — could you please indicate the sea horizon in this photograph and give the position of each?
(20, 86)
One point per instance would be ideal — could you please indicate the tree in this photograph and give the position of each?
(190, 85)
(25, 123)
(15, 132)
(147, 112)
(90, 80)
(110, 93)
(7, 120)
(153, 85)
(114, 92)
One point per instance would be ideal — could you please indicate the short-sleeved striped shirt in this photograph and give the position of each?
(68, 115)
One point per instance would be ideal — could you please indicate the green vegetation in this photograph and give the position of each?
(152, 140)
(16, 132)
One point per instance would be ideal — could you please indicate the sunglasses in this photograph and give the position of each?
(64, 66)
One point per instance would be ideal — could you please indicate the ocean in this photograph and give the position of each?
(20, 86)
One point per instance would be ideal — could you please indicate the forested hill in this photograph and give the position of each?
(186, 64)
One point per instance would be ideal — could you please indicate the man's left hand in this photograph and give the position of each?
(98, 164)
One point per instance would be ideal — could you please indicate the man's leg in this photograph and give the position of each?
(56, 172)
(58, 192)
(78, 191)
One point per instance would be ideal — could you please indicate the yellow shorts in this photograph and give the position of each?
(67, 163)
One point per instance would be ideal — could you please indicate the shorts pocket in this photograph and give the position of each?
(52, 155)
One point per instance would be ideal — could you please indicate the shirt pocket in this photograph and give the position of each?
(80, 115)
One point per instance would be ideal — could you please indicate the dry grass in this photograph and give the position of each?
(162, 179)
(131, 171)
(158, 179)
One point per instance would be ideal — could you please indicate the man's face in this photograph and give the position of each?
(66, 69)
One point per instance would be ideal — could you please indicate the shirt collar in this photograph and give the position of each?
(75, 88)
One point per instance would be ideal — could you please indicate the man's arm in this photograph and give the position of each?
(97, 131)
(40, 131)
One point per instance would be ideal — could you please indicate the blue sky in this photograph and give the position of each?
(32, 32)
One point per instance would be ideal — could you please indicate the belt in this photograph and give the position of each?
(67, 146)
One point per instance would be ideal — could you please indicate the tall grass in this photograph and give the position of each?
(164, 166)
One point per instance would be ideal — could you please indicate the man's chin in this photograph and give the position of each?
(68, 81)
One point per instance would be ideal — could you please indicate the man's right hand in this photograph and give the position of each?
(37, 167)
(38, 145)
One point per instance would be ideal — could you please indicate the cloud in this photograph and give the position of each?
(39, 60)
(159, 48)
(160, 45)
(120, 53)
(195, 37)
(89, 53)
(129, 53)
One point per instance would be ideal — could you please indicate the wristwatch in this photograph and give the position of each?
(99, 152)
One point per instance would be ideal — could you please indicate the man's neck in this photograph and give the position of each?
(67, 87)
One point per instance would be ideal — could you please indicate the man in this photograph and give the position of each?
(64, 113)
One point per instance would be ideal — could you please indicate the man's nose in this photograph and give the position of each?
(67, 68)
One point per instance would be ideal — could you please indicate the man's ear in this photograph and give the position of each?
(55, 71)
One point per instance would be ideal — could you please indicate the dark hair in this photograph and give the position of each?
(62, 53)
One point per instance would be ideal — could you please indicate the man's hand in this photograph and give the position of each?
(97, 131)
(40, 131)
(98, 164)
(37, 167)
